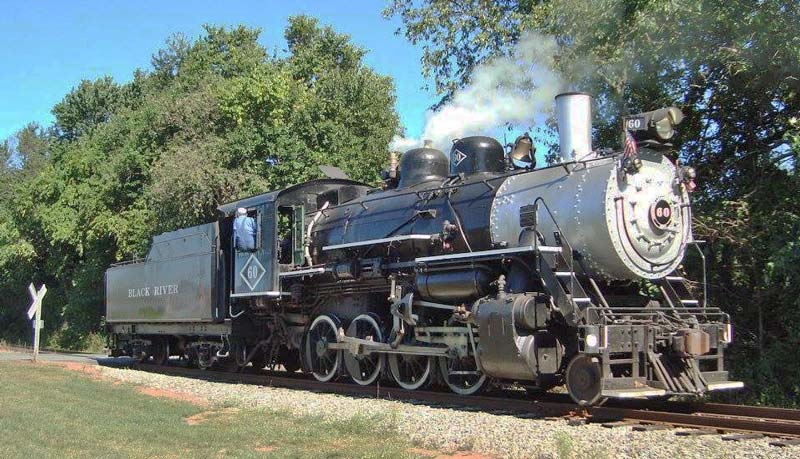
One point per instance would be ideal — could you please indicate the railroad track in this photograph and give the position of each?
(733, 422)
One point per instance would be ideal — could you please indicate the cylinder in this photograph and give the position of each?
(525, 312)
(574, 119)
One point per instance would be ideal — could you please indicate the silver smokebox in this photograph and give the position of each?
(574, 119)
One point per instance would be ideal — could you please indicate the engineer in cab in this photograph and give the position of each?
(244, 231)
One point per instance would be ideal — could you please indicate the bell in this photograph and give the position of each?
(523, 150)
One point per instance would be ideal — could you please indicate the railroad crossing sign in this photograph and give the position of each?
(35, 313)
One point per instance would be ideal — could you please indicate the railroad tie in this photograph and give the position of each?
(611, 425)
(695, 432)
(533, 416)
(470, 409)
(650, 427)
(784, 442)
(742, 436)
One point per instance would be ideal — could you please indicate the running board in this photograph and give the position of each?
(493, 253)
(385, 240)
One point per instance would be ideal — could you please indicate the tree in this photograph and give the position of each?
(732, 67)
(86, 106)
(23, 156)
(215, 120)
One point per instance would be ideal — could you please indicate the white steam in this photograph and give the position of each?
(513, 89)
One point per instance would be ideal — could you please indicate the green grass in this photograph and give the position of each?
(50, 412)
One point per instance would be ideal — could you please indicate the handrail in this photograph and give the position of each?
(696, 243)
(558, 227)
(568, 257)
(564, 241)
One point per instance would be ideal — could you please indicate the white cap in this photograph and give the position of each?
(241, 212)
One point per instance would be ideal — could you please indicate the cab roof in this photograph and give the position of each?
(300, 194)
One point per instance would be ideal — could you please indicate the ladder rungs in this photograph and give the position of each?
(690, 301)
(549, 249)
(582, 300)
(674, 278)
(565, 273)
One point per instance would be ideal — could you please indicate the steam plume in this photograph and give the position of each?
(506, 90)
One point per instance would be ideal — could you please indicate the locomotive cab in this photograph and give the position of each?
(281, 234)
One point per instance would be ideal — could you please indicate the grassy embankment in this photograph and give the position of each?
(50, 412)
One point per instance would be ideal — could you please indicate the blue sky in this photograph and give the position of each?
(47, 47)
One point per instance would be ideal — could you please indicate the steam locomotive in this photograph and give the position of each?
(461, 271)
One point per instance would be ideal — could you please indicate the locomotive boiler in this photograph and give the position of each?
(464, 271)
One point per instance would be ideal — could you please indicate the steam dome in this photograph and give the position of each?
(475, 154)
(422, 165)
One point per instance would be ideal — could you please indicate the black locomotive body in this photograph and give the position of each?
(459, 271)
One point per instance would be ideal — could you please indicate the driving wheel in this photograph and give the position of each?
(321, 360)
(364, 369)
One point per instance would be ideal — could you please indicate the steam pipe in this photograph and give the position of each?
(308, 232)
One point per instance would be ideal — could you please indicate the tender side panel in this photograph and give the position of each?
(177, 283)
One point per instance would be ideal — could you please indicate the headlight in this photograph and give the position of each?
(591, 340)
(658, 125)
(664, 129)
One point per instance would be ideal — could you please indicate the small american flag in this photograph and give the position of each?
(630, 149)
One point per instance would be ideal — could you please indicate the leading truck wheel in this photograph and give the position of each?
(585, 380)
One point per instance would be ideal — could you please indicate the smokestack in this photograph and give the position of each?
(574, 119)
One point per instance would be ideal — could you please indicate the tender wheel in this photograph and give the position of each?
(323, 362)
(203, 357)
(161, 352)
(141, 357)
(584, 380)
(410, 371)
(140, 351)
(364, 369)
(462, 375)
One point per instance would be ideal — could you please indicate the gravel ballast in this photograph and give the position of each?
(455, 430)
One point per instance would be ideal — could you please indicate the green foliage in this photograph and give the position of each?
(732, 67)
(90, 104)
(216, 119)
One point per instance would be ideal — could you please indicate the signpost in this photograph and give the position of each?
(35, 313)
